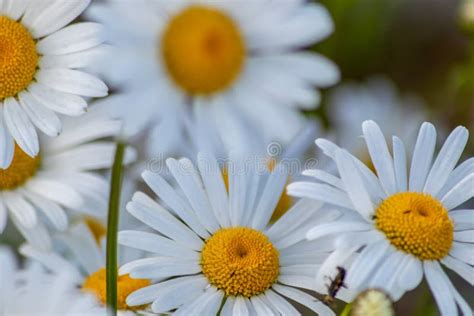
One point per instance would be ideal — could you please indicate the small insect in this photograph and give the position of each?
(335, 286)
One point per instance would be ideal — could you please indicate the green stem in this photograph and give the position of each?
(347, 310)
(112, 228)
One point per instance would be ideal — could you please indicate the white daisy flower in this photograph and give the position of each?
(33, 292)
(401, 225)
(62, 177)
(82, 252)
(214, 247)
(39, 76)
(234, 59)
(379, 100)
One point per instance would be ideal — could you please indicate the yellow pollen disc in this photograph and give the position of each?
(203, 50)
(18, 57)
(416, 223)
(22, 168)
(240, 261)
(96, 284)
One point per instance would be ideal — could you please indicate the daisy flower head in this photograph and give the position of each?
(224, 58)
(214, 246)
(402, 224)
(34, 292)
(36, 192)
(81, 251)
(379, 100)
(40, 58)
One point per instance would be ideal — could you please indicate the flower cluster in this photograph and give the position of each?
(220, 213)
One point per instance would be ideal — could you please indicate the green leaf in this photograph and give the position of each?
(112, 228)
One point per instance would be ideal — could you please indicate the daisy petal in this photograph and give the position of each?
(462, 218)
(152, 214)
(464, 236)
(214, 184)
(325, 177)
(304, 299)
(422, 157)
(7, 146)
(173, 293)
(463, 252)
(228, 308)
(336, 227)
(320, 192)
(380, 155)
(240, 308)
(270, 196)
(189, 181)
(464, 270)
(412, 274)
(20, 127)
(156, 244)
(176, 202)
(23, 211)
(72, 81)
(446, 160)
(55, 15)
(14, 9)
(61, 102)
(400, 164)
(353, 183)
(44, 119)
(460, 172)
(438, 286)
(462, 192)
(3, 215)
(260, 307)
(280, 304)
(71, 39)
(53, 212)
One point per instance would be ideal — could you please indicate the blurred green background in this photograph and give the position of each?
(426, 47)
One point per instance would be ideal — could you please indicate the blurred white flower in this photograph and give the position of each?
(34, 292)
(401, 224)
(213, 243)
(379, 100)
(35, 191)
(225, 60)
(82, 252)
(39, 76)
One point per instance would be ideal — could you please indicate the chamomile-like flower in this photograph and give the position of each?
(81, 252)
(214, 245)
(233, 59)
(379, 100)
(401, 225)
(63, 176)
(39, 77)
(34, 292)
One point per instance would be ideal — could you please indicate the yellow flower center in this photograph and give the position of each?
(22, 168)
(240, 261)
(203, 50)
(96, 284)
(416, 223)
(18, 57)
